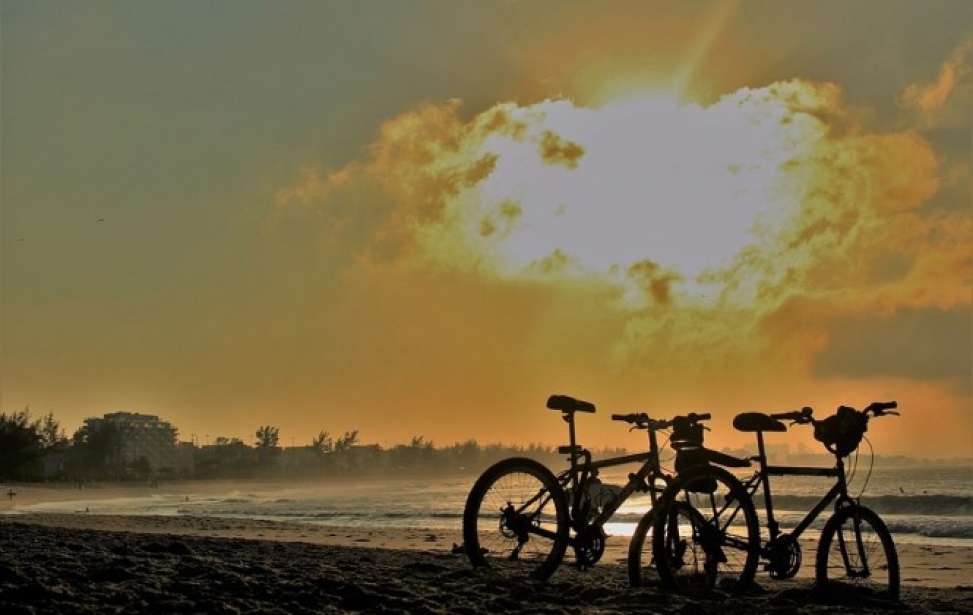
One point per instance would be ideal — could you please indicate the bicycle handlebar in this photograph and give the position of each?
(805, 415)
(641, 419)
(798, 416)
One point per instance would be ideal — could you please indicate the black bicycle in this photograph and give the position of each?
(855, 549)
(520, 513)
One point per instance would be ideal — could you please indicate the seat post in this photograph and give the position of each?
(569, 419)
(772, 525)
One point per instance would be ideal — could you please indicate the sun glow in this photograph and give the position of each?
(664, 202)
(639, 180)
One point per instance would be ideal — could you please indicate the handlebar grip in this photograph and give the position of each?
(635, 418)
(878, 408)
(701, 417)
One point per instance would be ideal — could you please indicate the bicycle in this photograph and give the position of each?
(855, 547)
(520, 512)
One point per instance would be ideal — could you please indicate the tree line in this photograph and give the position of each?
(38, 449)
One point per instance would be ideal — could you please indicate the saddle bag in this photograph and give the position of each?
(842, 433)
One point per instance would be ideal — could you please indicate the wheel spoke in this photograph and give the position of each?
(709, 542)
(514, 520)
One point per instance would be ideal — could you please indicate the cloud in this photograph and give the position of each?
(744, 237)
(921, 343)
(555, 150)
(929, 99)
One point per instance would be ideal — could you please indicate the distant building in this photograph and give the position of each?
(143, 436)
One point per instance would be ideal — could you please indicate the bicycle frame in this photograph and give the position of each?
(639, 481)
(578, 474)
(643, 480)
(761, 478)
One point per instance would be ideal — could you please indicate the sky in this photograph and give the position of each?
(425, 217)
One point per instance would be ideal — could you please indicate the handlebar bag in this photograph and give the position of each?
(689, 457)
(842, 433)
(686, 434)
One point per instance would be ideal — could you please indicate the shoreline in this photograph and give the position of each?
(53, 569)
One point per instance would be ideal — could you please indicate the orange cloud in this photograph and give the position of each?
(735, 242)
(930, 98)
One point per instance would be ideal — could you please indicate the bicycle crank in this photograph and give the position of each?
(589, 546)
(784, 555)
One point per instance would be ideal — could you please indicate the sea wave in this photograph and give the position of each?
(933, 527)
(934, 504)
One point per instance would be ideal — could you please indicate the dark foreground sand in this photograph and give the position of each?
(47, 569)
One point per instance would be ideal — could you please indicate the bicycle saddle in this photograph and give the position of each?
(757, 421)
(565, 403)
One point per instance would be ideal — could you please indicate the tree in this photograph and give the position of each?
(322, 443)
(267, 436)
(98, 449)
(52, 436)
(346, 441)
(141, 468)
(20, 445)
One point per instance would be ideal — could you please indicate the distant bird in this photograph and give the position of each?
(100, 220)
(901, 490)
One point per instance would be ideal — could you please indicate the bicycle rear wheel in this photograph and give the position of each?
(705, 534)
(516, 516)
(856, 556)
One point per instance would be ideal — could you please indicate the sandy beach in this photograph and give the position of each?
(65, 563)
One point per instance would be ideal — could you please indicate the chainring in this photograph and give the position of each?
(589, 547)
(784, 554)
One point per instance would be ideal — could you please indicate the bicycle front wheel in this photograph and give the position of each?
(516, 517)
(706, 534)
(856, 555)
(640, 551)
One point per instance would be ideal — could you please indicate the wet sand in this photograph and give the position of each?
(65, 564)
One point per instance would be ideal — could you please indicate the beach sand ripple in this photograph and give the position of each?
(60, 570)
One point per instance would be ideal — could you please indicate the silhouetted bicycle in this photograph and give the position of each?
(518, 511)
(855, 550)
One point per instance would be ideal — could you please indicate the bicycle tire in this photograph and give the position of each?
(635, 548)
(475, 525)
(832, 528)
(666, 565)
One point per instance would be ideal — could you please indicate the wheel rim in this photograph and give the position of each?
(857, 560)
(706, 540)
(513, 505)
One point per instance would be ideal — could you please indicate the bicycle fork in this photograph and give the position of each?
(863, 572)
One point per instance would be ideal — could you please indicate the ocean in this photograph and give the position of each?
(927, 505)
